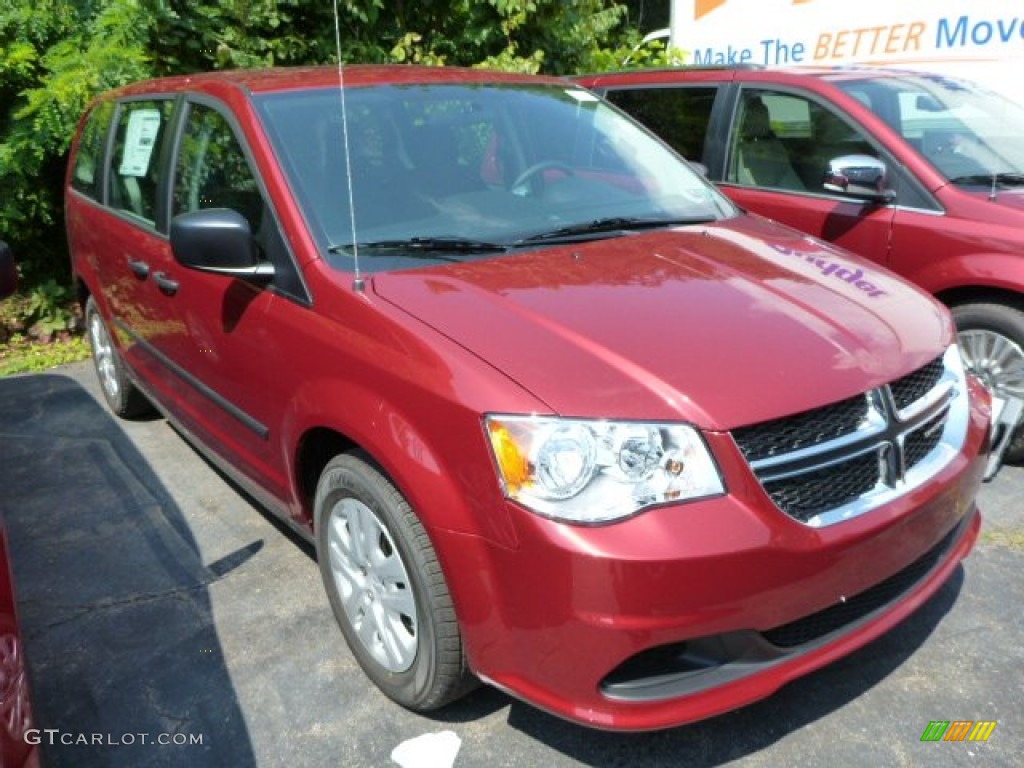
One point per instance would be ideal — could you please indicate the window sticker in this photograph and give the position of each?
(139, 141)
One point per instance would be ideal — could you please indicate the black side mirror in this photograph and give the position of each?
(861, 176)
(218, 240)
(8, 271)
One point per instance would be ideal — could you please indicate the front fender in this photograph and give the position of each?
(1004, 271)
(433, 450)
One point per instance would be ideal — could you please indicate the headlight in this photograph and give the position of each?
(596, 471)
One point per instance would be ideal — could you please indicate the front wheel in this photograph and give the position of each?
(991, 340)
(386, 587)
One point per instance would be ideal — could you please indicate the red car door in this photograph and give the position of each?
(134, 291)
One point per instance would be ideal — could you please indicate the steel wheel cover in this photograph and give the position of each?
(373, 584)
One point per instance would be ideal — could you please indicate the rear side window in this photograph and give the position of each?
(135, 162)
(680, 116)
(87, 173)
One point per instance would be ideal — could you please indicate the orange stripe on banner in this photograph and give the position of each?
(704, 7)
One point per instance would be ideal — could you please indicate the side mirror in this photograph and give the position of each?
(218, 240)
(861, 176)
(699, 167)
(8, 271)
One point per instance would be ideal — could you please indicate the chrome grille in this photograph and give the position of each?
(806, 495)
(804, 430)
(911, 388)
(921, 442)
(837, 462)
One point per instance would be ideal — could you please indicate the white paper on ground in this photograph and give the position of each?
(431, 750)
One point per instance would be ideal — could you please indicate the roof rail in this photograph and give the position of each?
(672, 67)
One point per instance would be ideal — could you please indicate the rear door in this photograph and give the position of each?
(135, 251)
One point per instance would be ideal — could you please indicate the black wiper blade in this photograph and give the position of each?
(611, 225)
(423, 245)
(1007, 179)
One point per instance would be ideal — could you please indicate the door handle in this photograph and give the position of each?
(140, 268)
(165, 284)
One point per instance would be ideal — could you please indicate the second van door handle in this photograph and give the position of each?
(165, 284)
(140, 268)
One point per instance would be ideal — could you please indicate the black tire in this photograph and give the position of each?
(1005, 376)
(122, 396)
(376, 559)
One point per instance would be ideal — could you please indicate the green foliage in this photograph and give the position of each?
(19, 355)
(46, 308)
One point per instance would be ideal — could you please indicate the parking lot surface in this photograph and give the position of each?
(167, 621)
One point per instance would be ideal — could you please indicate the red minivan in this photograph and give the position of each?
(556, 414)
(922, 173)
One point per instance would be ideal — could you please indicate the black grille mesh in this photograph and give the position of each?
(916, 385)
(807, 429)
(810, 494)
(835, 617)
(920, 443)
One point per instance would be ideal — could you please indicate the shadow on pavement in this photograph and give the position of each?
(112, 592)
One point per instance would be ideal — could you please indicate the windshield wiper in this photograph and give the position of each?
(609, 226)
(423, 247)
(1007, 179)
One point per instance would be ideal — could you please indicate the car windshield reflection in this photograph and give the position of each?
(451, 164)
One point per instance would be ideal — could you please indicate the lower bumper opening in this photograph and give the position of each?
(679, 669)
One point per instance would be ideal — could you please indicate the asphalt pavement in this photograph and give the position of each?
(168, 622)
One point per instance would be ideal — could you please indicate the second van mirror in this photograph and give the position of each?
(861, 176)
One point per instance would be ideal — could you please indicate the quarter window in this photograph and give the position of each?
(89, 157)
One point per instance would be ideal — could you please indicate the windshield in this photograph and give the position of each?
(973, 137)
(474, 170)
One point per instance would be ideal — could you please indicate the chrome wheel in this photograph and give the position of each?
(373, 584)
(103, 354)
(997, 360)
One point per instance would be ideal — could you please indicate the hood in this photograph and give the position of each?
(720, 325)
(1009, 198)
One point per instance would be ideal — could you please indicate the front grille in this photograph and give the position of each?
(804, 430)
(840, 461)
(807, 495)
(914, 386)
(817, 625)
(921, 442)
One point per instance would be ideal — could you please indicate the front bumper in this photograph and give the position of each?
(688, 611)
